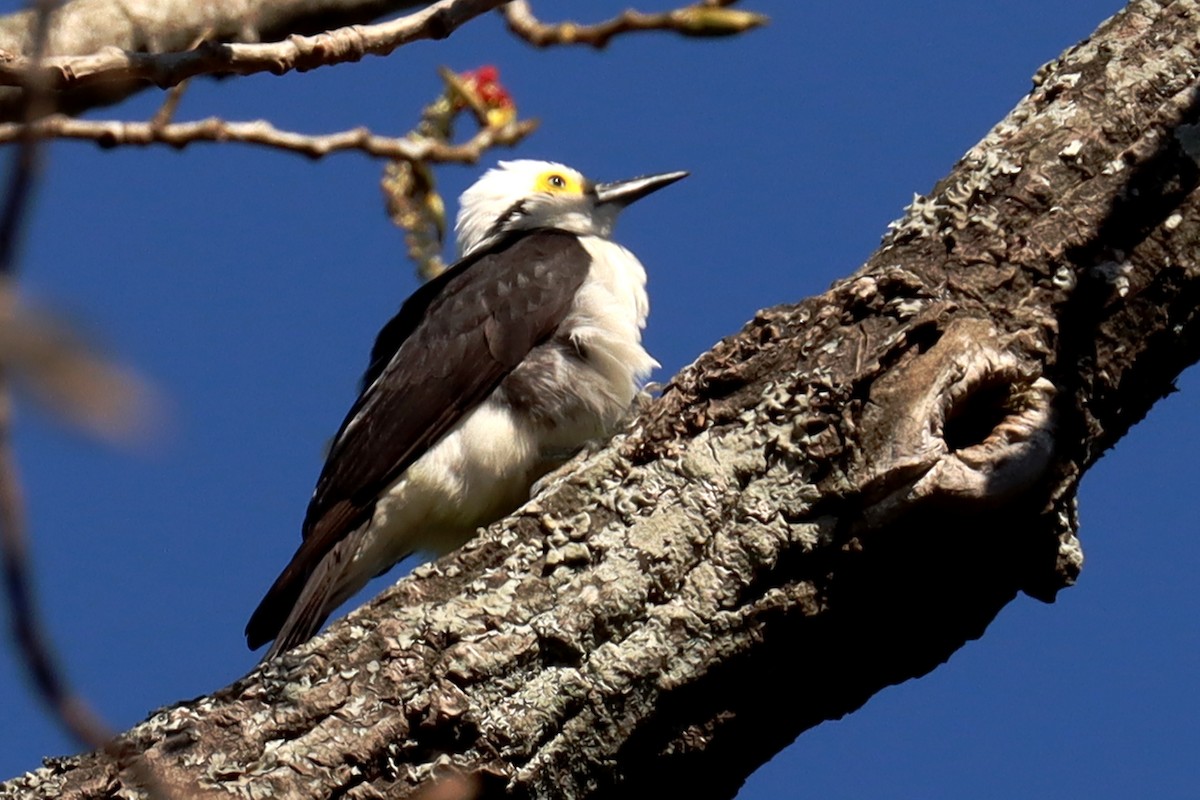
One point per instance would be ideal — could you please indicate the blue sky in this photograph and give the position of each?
(247, 285)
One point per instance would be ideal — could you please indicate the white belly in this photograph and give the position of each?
(478, 472)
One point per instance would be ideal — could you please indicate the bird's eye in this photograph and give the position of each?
(557, 181)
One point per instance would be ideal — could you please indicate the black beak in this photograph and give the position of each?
(622, 193)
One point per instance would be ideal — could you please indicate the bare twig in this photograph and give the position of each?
(410, 186)
(115, 133)
(706, 18)
(296, 52)
(170, 103)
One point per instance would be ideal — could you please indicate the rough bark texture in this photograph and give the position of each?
(82, 27)
(830, 501)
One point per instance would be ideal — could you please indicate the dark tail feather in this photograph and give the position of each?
(268, 618)
(275, 607)
(297, 604)
(309, 613)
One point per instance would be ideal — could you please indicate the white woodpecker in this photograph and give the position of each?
(491, 374)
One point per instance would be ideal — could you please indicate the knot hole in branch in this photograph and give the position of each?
(966, 420)
(973, 416)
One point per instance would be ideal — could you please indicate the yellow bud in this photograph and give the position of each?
(435, 210)
(501, 115)
(718, 21)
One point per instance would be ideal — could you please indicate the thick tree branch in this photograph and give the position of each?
(101, 51)
(298, 52)
(145, 27)
(831, 501)
(85, 26)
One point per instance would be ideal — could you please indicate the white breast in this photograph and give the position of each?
(608, 316)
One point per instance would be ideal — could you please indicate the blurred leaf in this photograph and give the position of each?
(47, 360)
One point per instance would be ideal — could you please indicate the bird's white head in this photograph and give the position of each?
(525, 194)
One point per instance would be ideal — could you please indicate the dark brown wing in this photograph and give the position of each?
(450, 345)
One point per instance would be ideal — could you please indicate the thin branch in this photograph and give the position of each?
(74, 713)
(706, 18)
(294, 53)
(26, 160)
(32, 640)
(116, 133)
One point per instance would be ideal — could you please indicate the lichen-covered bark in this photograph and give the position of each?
(82, 27)
(830, 501)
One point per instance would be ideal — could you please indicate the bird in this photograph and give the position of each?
(490, 375)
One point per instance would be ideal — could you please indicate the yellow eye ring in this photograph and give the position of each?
(555, 182)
